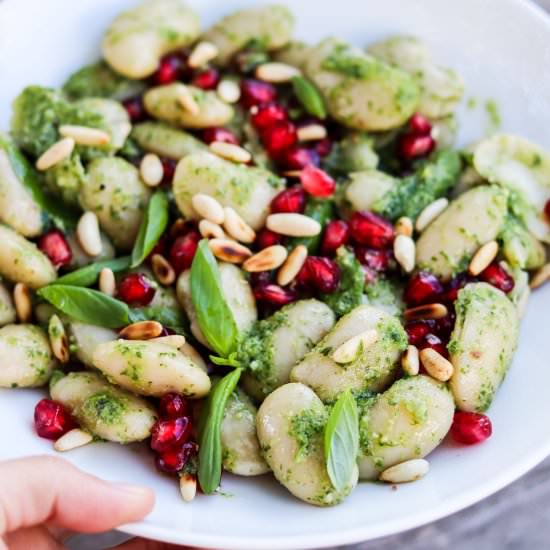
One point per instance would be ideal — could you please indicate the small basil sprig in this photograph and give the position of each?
(309, 97)
(152, 227)
(215, 319)
(87, 276)
(210, 440)
(341, 442)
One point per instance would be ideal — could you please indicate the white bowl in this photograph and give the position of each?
(501, 49)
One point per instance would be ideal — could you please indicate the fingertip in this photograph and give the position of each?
(141, 499)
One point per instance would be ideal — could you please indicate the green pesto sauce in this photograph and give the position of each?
(344, 61)
(494, 117)
(306, 428)
(386, 294)
(104, 407)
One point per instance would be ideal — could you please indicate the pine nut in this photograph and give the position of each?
(436, 365)
(231, 152)
(267, 259)
(427, 311)
(276, 72)
(483, 257)
(410, 470)
(23, 302)
(151, 170)
(292, 173)
(142, 330)
(162, 269)
(107, 282)
(88, 235)
(172, 340)
(229, 251)
(208, 207)
(236, 227)
(404, 251)
(410, 361)
(404, 226)
(541, 276)
(292, 266)
(187, 101)
(83, 135)
(311, 132)
(229, 91)
(58, 339)
(211, 230)
(188, 487)
(72, 440)
(202, 53)
(430, 213)
(348, 351)
(293, 225)
(58, 152)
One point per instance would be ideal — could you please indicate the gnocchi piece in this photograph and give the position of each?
(360, 91)
(295, 53)
(81, 259)
(373, 369)
(290, 426)
(481, 345)
(65, 178)
(137, 39)
(276, 344)
(150, 368)
(240, 446)
(354, 153)
(7, 308)
(449, 242)
(115, 192)
(367, 187)
(407, 421)
(86, 338)
(21, 261)
(519, 247)
(248, 190)
(102, 409)
(271, 26)
(27, 360)
(386, 295)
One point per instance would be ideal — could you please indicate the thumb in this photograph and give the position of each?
(48, 489)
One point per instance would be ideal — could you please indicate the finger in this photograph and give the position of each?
(145, 544)
(48, 489)
(33, 537)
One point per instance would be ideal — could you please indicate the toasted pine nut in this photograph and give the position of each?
(107, 282)
(427, 311)
(410, 361)
(83, 135)
(188, 487)
(348, 351)
(202, 53)
(229, 91)
(311, 132)
(88, 235)
(229, 251)
(292, 266)
(211, 230)
(292, 173)
(430, 213)
(404, 226)
(231, 152)
(276, 72)
(187, 101)
(540, 277)
(404, 251)
(293, 225)
(483, 257)
(142, 330)
(151, 170)
(267, 259)
(58, 339)
(410, 470)
(208, 207)
(162, 269)
(236, 227)
(437, 366)
(72, 440)
(58, 152)
(172, 340)
(23, 302)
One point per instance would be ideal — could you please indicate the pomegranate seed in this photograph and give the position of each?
(321, 273)
(265, 238)
(422, 288)
(376, 260)
(168, 167)
(169, 69)
(174, 460)
(135, 109)
(261, 278)
(207, 79)
(279, 137)
(547, 209)
(434, 342)
(454, 286)
(268, 114)
(51, 419)
(370, 229)
(497, 276)
(136, 289)
(414, 146)
(297, 158)
(274, 294)
(418, 330)
(317, 182)
(323, 147)
(420, 125)
(292, 199)
(370, 275)
(174, 405)
(471, 428)
(183, 250)
(167, 434)
(335, 235)
(219, 134)
(56, 247)
(256, 92)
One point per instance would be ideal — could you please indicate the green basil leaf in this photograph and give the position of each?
(87, 305)
(168, 317)
(210, 438)
(309, 96)
(215, 319)
(88, 275)
(230, 361)
(152, 227)
(341, 443)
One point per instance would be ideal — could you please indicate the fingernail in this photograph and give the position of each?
(132, 489)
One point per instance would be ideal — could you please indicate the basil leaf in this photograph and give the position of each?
(87, 275)
(341, 443)
(309, 96)
(210, 438)
(152, 227)
(168, 317)
(215, 319)
(87, 305)
(230, 361)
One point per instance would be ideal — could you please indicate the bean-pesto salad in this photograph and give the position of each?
(259, 255)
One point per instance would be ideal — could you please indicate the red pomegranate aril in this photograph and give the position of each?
(317, 182)
(274, 294)
(376, 260)
(168, 168)
(207, 79)
(371, 230)
(434, 342)
(55, 246)
(296, 158)
(453, 287)
(323, 147)
(136, 289)
(290, 200)
(335, 235)
(470, 428)
(174, 460)
(167, 434)
(174, 405)
(445, 325)
(268, 114)
(414, 146)
(418, 330)
(219, 134)
(422, 288)
(51, 419)
(265, 238)
(497, 276)
(183, 250)
(261, 278)
(420, 125)
(322, 273)
(169, 69)
(135, 109)
(278, 137)
(547, 209)
(256, 92)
